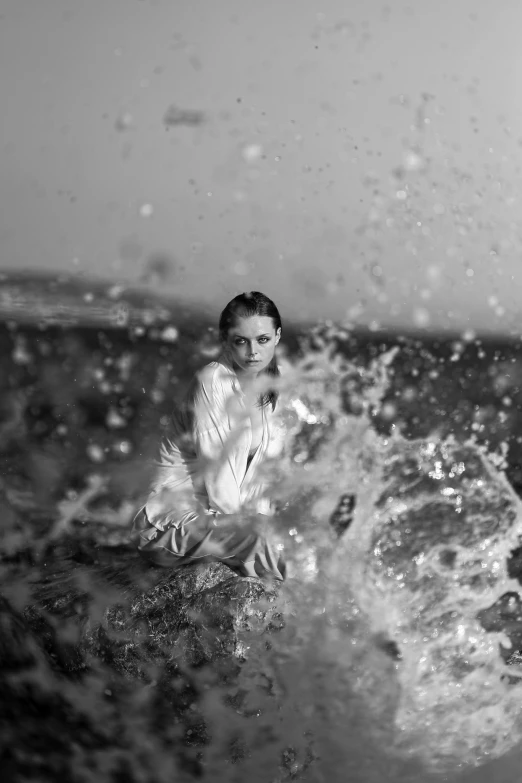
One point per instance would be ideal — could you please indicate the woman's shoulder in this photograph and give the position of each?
(213, 373)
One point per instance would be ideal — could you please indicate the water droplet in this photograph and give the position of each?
(115, 420)
(20, 353)
(124, 122)
(252, 152)
(241, 268)
(421, 317)
(157, 396)
(95, 452)
(115, 291)
(170, 334)
(174, 116)
(119, 314)
(389, 411)
(413, 161)
(124, 446)
(146, 210)
(409, 394)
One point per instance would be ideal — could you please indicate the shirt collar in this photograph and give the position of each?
(227, 364)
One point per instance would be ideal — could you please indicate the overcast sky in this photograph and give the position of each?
(351, 159)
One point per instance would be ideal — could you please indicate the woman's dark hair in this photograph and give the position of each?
(245, 306)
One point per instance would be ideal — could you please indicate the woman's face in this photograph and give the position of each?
(251, 343)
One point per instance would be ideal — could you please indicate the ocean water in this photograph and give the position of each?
(402, 620)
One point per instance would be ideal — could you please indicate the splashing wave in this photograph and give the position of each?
(426, 554)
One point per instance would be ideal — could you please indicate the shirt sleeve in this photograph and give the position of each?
(171, 499)
(216, 443)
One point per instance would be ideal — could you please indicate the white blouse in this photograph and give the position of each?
(203, 467)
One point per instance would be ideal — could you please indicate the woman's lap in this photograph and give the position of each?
(243, 548)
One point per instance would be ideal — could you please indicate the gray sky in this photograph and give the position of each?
(356, 158)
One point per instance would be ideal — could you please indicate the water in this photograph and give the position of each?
(391, 662)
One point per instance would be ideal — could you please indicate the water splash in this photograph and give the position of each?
(393, 608)
(431, 556)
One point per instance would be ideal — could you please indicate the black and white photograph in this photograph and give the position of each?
(260, 391)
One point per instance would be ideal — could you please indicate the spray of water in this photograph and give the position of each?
(387, 616)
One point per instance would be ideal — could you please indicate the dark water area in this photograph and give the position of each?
(85, 628)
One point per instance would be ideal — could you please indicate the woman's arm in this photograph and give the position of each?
(171, 498)
(216, 442)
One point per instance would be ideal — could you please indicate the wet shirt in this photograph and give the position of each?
(210, 463)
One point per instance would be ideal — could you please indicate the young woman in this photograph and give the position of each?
(207, 499)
